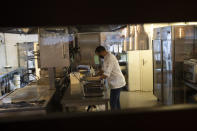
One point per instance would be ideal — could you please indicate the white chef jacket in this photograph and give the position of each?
(113, 72)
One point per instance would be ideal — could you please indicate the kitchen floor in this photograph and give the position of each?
(128, 100)
(137, 99)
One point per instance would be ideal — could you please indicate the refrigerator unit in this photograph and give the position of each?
(87, 43)
(54, 48)
(171, 46)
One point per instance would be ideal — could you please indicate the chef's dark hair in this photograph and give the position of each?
(100, 49)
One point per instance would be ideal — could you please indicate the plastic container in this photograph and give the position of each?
(17, 81)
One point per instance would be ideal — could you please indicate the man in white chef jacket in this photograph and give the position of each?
(112, 72)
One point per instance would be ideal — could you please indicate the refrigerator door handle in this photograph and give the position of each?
(143, 62)
(63, 51)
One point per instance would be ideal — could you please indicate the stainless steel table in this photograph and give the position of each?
(190, 85)
(32, 92)
(76, 99)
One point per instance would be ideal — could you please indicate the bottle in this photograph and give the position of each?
(92, 72)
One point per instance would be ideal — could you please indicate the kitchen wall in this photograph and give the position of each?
(11, 48)
(2, 51)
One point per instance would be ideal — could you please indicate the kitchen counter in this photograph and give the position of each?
(76, 98)
(32, 99)
(191, 85)
(188, 85)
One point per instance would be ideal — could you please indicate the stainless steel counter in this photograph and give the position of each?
(191, 85)
(186, 86)
(77, 99)
(34, 97)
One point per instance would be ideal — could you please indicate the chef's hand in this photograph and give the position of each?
(103, 77)
(99, 73)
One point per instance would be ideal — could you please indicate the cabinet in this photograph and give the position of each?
(140, 70)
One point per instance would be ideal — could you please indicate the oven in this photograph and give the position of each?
(190, 70)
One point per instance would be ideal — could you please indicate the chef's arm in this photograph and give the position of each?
(107, 69)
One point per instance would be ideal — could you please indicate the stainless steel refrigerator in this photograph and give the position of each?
(171, 46)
